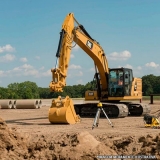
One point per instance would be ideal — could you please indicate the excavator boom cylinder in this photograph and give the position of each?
(60, 43)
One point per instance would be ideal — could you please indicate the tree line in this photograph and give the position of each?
(30, 90)
(150, 84)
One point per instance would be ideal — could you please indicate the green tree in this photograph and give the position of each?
(79, 91)
(4, 94)
(148, 84)
(69, 90)
(13, 90)
(156, 87)
(43, 92)
(28, 90)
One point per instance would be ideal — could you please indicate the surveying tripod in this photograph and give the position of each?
(96, 120)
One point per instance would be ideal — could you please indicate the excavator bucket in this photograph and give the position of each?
(62, 111)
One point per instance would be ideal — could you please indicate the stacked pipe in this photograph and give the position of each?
(13, 104)
(6, 104)
(21, 104)
(39, 103)
(27, 104)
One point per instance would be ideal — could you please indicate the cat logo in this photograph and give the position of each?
(135, 86)
(91, 93)
(89, 44)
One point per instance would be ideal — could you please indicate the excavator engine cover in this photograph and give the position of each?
(62, 111)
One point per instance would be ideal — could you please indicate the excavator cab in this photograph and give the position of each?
(120, 82)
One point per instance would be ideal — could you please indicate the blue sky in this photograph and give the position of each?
(127, 30)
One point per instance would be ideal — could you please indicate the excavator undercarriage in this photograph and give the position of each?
(114, 110)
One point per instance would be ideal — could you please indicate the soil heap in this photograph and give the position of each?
(73, 146)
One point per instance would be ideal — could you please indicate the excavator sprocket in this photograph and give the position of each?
(138, 109)
(62, 111)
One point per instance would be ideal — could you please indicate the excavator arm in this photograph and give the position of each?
(59, 73)
(81, 37)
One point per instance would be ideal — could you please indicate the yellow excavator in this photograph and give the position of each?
(114, 86)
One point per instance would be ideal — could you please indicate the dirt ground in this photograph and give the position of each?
(27, 134)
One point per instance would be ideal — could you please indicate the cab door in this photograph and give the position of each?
(127, 82)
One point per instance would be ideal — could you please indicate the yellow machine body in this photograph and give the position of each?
(151, 121)
(108, 87)
(62, 111)
(155, 123)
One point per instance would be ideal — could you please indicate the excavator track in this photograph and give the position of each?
(112, 110)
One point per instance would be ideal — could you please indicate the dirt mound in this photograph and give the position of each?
(11, 143)
(129, 145)
(69, 146)
(83, 145)
(60, 146)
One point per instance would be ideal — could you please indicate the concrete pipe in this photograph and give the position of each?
(27, 104)
(6, 104)
(13, 104)
(39, 103)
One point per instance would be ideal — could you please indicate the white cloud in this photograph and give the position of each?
(139, 68)
(17, 69)
(128, 66)
(42, 68)
(92, 69)
(2, 73)
(152, 64)
(7, 48)
(27, 66)
(37, 57)
(47, 73)
(26, 70)
(69, 75)
(24, 59)
(79, 74)
(80, 81)
(72, 56)
(73, 66)
(75, 48)
(30, 72)
(119, 56)
(7, 58)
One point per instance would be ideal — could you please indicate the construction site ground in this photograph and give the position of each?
(27, 134)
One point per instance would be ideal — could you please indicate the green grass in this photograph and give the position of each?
(144, 98)
(148, 97)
